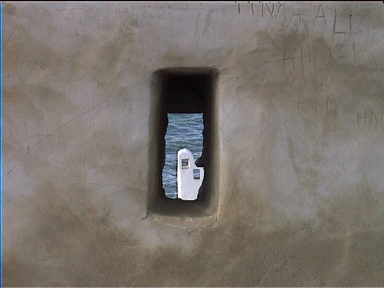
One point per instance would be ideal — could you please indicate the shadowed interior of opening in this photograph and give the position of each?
(181, 91)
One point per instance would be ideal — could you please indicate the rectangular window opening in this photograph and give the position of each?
(196, 174)
(183, 116)
(184, 162)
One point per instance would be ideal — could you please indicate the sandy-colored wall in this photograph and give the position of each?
(300, 129)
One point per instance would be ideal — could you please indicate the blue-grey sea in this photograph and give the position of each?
(185, 130)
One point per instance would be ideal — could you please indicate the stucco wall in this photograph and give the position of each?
(300, 135)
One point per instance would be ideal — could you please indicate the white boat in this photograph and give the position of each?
(189, 176)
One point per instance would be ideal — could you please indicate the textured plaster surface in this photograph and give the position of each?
(300, 129)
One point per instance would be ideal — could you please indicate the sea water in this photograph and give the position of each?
(184, 130)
